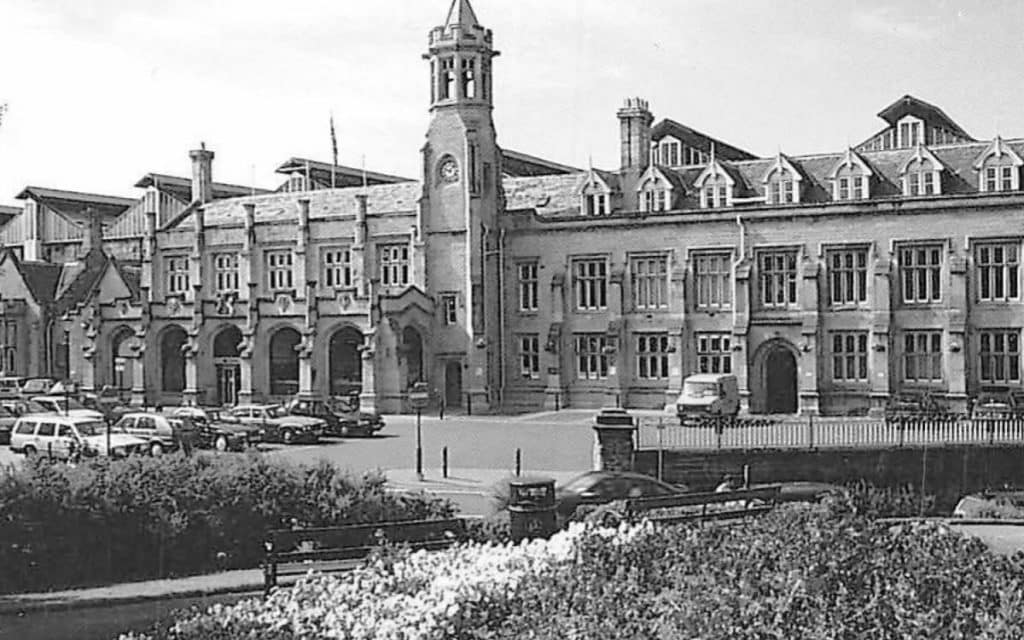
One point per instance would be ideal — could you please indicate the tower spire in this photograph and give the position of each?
(461, 13)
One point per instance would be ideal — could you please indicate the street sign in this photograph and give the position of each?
(419, 396)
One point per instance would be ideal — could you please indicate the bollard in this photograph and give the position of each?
(519, 462)
(49, 451)
(444, 462)
(746, 476)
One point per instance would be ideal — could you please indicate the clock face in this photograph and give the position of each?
(449, 170)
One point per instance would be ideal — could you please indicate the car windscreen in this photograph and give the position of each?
(34, 407)
(700, 389)
(275, 412)
(581, 483)
(87, 429)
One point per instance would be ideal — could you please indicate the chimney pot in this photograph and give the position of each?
(202, 174)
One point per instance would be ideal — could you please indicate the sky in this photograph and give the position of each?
(101, 92)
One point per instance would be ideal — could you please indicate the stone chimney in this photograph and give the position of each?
(635, 119)
(93, 237)
(202, 174)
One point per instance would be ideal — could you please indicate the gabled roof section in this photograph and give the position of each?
(518, 165)
(596, 178)
(783, 164)
(40, 277)
(998, 148)
(88, 274)
(674, 182)
(73, 204)
(7, 213)
(850, 159)
(181, 188)
(921, 154)
(320, 174)
(909, 105)
(461, 13)
(718, 168)
(698, 140)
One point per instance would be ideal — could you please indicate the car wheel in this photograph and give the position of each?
(221, 443)
(287, 436)
(156, 449)
(344, 431)
(30, 451)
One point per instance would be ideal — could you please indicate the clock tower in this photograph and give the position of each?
(462, 197)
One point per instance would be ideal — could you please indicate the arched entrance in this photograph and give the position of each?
(345, 362)
(227, 365)
(284, 362)
(121, 357)
(780, 383)
(172, 360)
(413, 345)
(453, 383)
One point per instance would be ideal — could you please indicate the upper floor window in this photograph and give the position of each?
(177, 275)
(652, 351)
(922, 174)
(596, 204)
(713, 276)
(850, 356)
(670, 153)
(337, 268)
(782, 191)
(782, 182)
(225, 272)
(394, 265)
(848, 276)
(590, 283)
(1000, 355)
(921, 273)
(528, 286)
(777, 271)
(9, 335)
(910, 132)
(693, 156)
(998, 167)
(1000, 178)
(851, 188)
(851, 178)
(649, 282)
(715, 194)
(468, 78)
(450, 308)
(998, 269)
(279, 270)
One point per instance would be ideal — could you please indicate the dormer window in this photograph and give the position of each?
(715, 194)
(655, 191)
(595, 195)
(782, 182)
(851, 178)
(998, 168)
(670, 152)
(922, 174)
(596, 204)
(910, 132)
(296, 183)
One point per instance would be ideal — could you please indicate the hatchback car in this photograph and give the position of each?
(10, 387)
(65, 437)
(160, 432)
(340, 420)
(277, 425)
(599, 487)
(352, 421)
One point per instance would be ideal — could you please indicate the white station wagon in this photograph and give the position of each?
(64, 436)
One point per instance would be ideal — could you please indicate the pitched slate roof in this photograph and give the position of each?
(73, 204)
(928, 112)
(87, 275)
(320, 173)
(518, 165)
(547, 195)
(181, 188)
(698, 140)
(40, 277)
(400, 198)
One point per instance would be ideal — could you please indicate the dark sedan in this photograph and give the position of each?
(599, 487)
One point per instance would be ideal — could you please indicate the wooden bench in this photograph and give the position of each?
(332, 549)
(747, 502)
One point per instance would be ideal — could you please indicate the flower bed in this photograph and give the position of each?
(801, 572)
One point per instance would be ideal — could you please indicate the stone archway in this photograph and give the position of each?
(774, 378)
(121, 357)
(345, 362)
(172, 360)
(284, 362)
(412, 344)
(227, 364)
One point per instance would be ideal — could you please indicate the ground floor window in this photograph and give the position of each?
(1000, 355)
(714, 353)
(652, 356)
(591, 359)
(922, 356)
(529, 357)
(850, 356)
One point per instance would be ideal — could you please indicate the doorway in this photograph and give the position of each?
(780, 383)
(453, 383)
(227, 365)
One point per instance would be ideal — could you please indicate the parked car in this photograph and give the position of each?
(1008, 504)
(599, 487)
(36, 387)
(10, 387)
(7, 420)
(341, 419)
(24, 407)
(65, 437)
(68, 406)
(214, 431)
(107, 401)
(354, 422)
(276, 425)
(159, 431)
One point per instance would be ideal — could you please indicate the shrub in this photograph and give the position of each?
(112, 520)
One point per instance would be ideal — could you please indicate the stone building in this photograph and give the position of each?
(825, 283)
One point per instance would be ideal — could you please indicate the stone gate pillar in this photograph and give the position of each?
(614, 441)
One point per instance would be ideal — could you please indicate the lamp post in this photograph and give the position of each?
(419, 397)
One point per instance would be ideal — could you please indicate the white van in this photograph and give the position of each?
(62, 437)
(709, 394)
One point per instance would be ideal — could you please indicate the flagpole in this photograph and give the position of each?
(334, 150)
